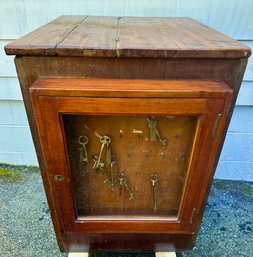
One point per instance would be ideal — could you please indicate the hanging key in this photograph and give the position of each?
(131, 194)
(154, 134)
(154, 180)
(100, 166)
(105, 141)
(110, 177)
(107, 180)
(83, 141)
(122, 179)
(123, 184)
(112, 173)
(108, 157)
(152, 123)
(163, 141)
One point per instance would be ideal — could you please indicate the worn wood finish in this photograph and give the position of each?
(48, 109)
(93, 37)
(44, 40)
(128, 37)
(79, 81)
(131, 242)
(130, 88)
(178, 38)
(137, 68)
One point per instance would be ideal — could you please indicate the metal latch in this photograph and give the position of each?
(216, 125)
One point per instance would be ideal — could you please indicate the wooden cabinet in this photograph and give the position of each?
(128, 131)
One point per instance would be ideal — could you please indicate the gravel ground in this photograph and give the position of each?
(26, 228)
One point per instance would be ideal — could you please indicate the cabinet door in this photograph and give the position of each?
(128, 164)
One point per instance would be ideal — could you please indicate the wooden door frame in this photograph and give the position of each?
(48, 107)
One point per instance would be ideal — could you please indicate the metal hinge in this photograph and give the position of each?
(216, 125)
(192, 215)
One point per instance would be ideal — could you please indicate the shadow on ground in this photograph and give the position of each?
(26, 228)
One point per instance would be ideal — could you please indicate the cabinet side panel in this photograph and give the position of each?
(25, 84)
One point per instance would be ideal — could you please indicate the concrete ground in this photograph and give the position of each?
(26, 228)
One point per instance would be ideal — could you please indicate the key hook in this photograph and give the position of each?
(153, 177)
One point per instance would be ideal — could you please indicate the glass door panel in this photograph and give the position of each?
(128, 165)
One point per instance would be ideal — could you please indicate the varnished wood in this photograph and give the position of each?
(130, 88)
(158, 37)
(135, 68)
(216, 70)
(49, 117)
(187, 59)
(131, 242)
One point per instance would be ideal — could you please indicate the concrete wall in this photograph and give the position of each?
(231, 17)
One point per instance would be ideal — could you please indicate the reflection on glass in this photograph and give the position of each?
(128, 165)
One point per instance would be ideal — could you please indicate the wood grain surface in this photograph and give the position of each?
(130, 88)
(48, 109)
(160, 37)
(198, 70)
(32, 68)
(44, 40)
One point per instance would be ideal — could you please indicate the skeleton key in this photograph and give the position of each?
(108, 156)
(163, 141)
(112, 173)
(105, 140)
(122, 180)
(131, 195)
(154, 180)
(95, 166)
(154, 134)
(152, 123)
(123, 184)
(83, 141)
(108, 180)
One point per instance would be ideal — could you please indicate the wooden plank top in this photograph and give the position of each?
(151, 37)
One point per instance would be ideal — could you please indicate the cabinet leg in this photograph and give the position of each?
(78, 255)
(165, 254)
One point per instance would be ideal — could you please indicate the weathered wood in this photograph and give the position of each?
(174, 38)
(44, 40)
(128, 37)
(94, 37)
(87, 85)
(233, 18)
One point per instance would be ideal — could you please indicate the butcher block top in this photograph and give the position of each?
(151, 37)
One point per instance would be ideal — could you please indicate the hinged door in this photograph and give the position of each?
(135, 162)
